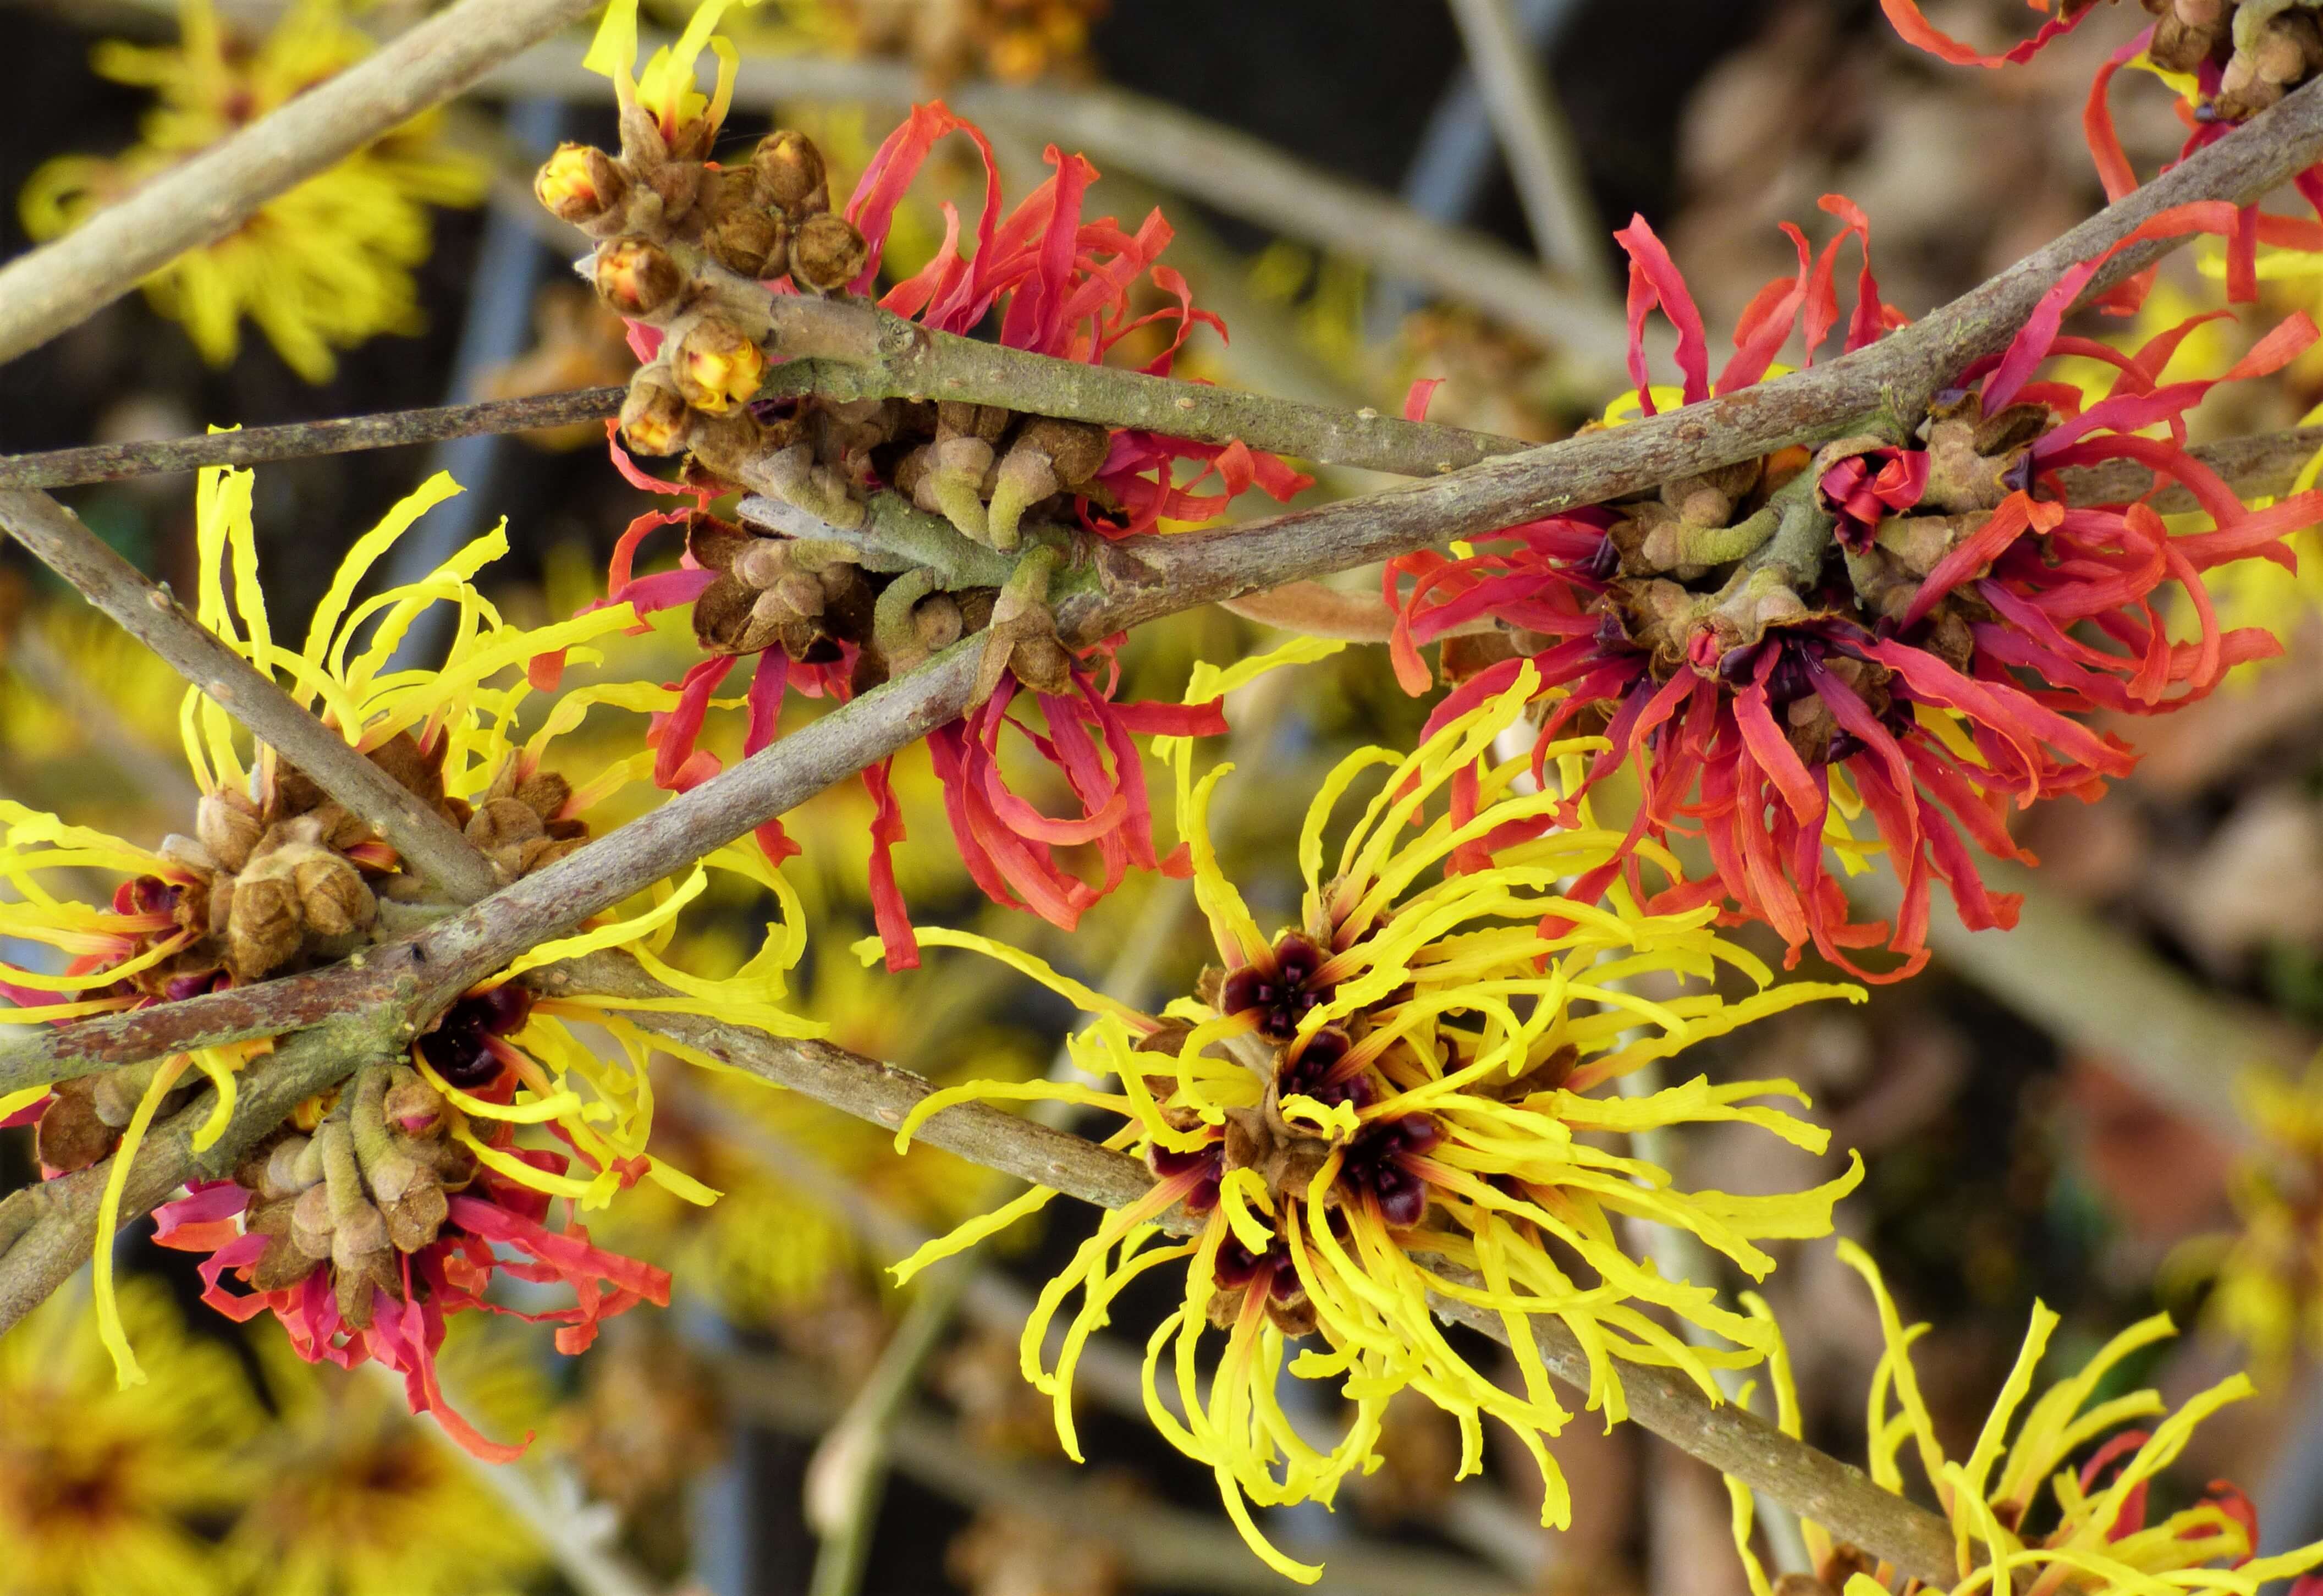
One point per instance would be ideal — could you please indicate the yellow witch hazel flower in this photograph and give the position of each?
(106, 1493)
(278, 877)
(1405, 1095)
(2268, 1290)
(2047, 1509)
(321, 268)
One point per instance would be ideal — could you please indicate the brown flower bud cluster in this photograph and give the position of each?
(983, 468)
(2263, 48)
(1707, 565)
(370, 1185)
(812, 601)
(284, 882)
(679, 236)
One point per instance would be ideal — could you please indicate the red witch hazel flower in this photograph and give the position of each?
(887, 529)
(1896, 628)
(363, 1231)
(2226, 60)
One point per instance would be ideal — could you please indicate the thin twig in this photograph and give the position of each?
(863, 352)
(62, 284)
(2266, 464)
(425, 840)
(1536, 139)
(296, 440)
(1239, 174)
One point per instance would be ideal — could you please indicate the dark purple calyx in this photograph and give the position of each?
(1282, 988)
(460, 1047)
(1238, 1269)
(1209, 1162)
(1379, 1161)
(1319, 1069)
(147, 894)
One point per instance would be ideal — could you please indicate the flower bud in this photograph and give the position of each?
(751, 240)
(228, 826)
(545, 793)
(413, 1106)
(717, 367)
(725, 446)
(503, 822)
(763, 562)
(790, 173)
(263, 928)
(580, 183)
(827, 253)
(70, 1134)
(799, 593)
(637, 278)
(310, 1221)
(287, 1168)
(332, 896)
(1043, 664)
(392, 1175)
(415, 1218)
(936, 620)
(653, 417)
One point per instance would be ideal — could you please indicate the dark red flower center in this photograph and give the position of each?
(1210, 1161)
(1238, 1269)
(1379, 1162)
(1282, 987)
(1320, 1071)
(460, 1047)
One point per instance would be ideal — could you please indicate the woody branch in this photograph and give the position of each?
(1137, 579)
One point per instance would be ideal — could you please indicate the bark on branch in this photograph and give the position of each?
(1151, 577)
(1137, 579)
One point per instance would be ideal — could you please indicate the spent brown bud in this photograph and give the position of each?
(228, 826)
(263, 928)
(332, 896)
(750, 241)
(790, 173)
(827, 253)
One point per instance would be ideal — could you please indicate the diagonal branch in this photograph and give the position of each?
(1150, 576)
(62, 284)
(862, 351)
(427, 842)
